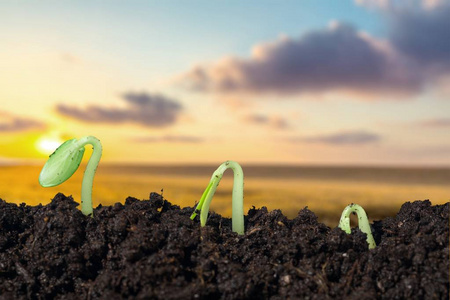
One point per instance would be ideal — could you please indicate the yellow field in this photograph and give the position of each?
(288, 190)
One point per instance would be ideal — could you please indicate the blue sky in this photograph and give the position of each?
(322, 82)
(139, 30)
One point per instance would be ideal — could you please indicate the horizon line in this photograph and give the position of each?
(36, 162)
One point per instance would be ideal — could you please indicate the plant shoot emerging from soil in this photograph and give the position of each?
(65, 161)
(363, 222)
(237, 198)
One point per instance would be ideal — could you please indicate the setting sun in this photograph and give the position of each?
(47, 145)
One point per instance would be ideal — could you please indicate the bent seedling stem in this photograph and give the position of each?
(65, 160)
(237, 196)
(363, 222)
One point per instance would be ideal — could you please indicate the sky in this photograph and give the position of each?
(321, 82)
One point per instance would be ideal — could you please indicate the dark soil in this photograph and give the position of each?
(151, 249)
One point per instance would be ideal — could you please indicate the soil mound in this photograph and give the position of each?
(150, 249)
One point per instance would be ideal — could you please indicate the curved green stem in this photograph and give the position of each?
(88, 178)
(363, 222)
(237, 196)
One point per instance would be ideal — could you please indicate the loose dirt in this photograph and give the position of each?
(150, 249)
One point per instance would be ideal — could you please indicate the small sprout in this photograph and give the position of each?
(237, 198)
(65, 161)
(363, 222)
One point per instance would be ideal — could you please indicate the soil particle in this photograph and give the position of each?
(150, 249)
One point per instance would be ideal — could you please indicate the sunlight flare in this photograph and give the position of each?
(47, 145)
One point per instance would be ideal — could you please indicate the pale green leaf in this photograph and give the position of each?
(61, 164)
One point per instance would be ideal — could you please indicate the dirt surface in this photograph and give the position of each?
(152, 250)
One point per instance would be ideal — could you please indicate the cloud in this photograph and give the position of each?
(413, 56)
(169, 139)
(337, 58)
(142, 108)
(342, 138)
(418, 29)
(11, 123)
(270, 121)
(423, 35)
(395, 5)
(439, 122)
(428, 151)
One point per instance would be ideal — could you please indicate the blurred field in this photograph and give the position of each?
(325, 190)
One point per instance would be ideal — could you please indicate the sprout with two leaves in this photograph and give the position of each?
(363, 222)
(65, 161)
(237, 196)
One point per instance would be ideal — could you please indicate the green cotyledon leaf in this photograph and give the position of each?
(61, 164)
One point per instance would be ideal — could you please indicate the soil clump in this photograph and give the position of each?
(150, 249)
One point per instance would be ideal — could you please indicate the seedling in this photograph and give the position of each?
(363, 222)
(65, 161)
(237, 197)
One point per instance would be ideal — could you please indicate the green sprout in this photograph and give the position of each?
(65, 161)
(363, 222)
(237, 198)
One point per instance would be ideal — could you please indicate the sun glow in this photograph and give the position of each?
(47, 145)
